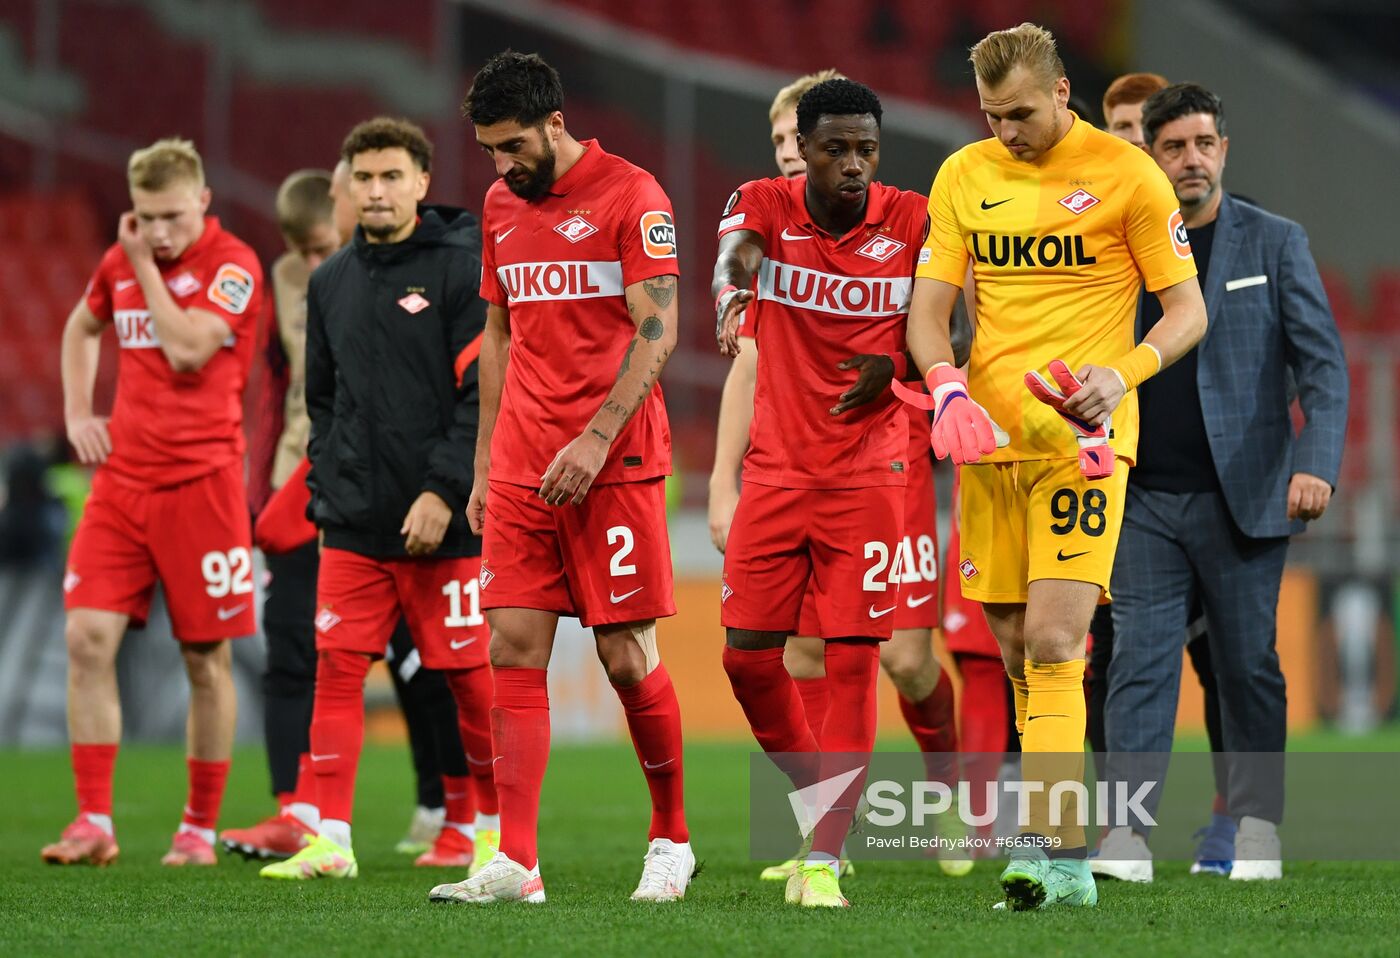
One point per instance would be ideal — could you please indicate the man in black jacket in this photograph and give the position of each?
(394, 327)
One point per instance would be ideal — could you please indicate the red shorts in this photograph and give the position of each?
(193, 538)
(965, 628)
(359, 601)
(606, 561)
(918, 553)
(843, 540)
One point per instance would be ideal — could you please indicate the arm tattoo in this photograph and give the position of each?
(600, 435)
(626, 359)
(617, 408)
(662, 290)
(652, 328)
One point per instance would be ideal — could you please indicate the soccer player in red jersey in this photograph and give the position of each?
(580, 273)
(168, 501)
(823, 496)
(393, 331)
(925, 691)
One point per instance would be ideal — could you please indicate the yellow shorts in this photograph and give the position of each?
(1036, 519)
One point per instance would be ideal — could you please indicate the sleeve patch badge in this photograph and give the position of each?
(232, 288)
(658, 234)
(1181, 242)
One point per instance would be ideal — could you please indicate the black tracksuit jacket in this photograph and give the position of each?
(393, 332)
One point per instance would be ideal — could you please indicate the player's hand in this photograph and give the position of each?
(133, 244)
(90, 439)
(728, 308)
(476, 507)
(876, 374)
(1096, 456)
(1100, 392)
(1308, 496)
(425, 524)
(724, 499)
(571, 474)
(962, 430)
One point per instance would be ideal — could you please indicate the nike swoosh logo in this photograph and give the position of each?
(1073, 555)
(992, 206)
(500, 237)
(789, 236)
(614, 598)
(323, 758)
(125, 284)
(647, 764)
(226, 614)
(876, 615)
(915, 603)
(497, 759)
(460, 645)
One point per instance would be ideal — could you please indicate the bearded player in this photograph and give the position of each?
(168, 501)
(580, 273)
(1063, 224)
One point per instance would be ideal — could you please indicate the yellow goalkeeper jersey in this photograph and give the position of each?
(1060, 249)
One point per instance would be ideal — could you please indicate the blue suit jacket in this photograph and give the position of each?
(1270, 336)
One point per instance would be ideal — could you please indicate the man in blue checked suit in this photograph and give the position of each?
(1220, 484)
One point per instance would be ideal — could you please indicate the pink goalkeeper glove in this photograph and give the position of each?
(961, 428)
(1096, 456)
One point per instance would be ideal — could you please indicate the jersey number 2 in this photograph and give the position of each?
(623, 535)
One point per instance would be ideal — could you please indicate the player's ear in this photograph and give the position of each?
(802, 146)
(205, 197)
(424, 177)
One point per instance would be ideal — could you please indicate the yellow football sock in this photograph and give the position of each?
(1055, 722)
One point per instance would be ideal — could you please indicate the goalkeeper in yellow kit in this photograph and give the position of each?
(1063, 226)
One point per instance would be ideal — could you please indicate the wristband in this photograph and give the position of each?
(1138, 366)
(901, 364)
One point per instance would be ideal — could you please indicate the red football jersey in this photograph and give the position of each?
(169, 427)
(822, 300)
(561, 264)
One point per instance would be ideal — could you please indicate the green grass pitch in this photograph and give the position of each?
(593, 835)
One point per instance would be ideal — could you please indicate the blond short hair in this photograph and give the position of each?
(303, 202)
(1028, 45)
(162, 163)
(789, 95)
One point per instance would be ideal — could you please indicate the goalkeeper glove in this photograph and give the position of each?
(961, 428)
(1096, 456)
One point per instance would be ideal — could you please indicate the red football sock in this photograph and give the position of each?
(816, 696)
(520, 734)
(771, 703)
(92, 777)
(207, 780)
(459, 797)
(849, 737)
(654, 719)
(305, 793)
(472, 688)
(932, 724)
(338, 730)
